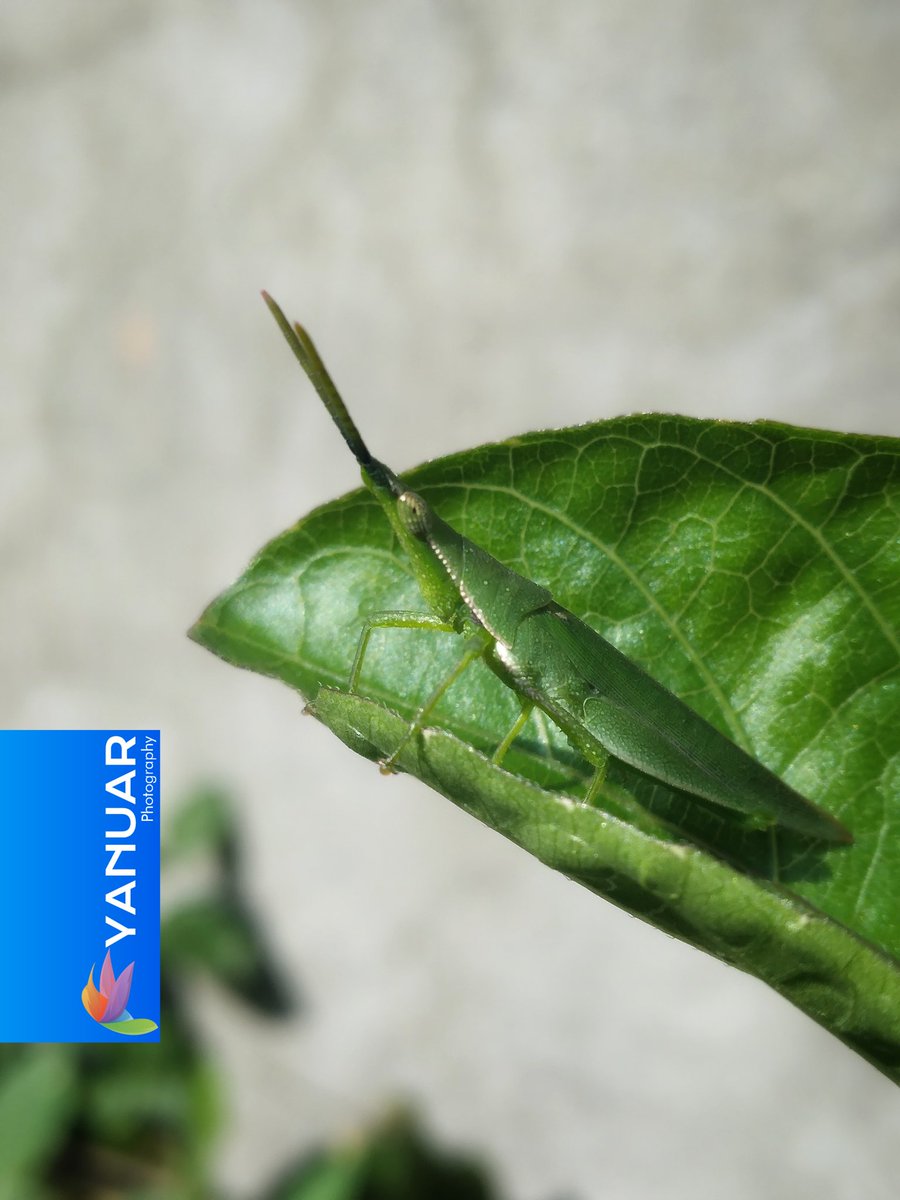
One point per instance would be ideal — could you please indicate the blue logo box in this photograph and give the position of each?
(79, 885)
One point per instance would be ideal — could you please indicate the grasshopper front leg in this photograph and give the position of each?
(403, 619)
(475, 647)
(397, 619)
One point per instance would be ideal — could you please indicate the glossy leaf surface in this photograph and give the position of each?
(752, 569)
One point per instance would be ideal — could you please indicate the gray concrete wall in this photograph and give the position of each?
(493, 217)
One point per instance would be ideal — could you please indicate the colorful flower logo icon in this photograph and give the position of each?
(107, 1006)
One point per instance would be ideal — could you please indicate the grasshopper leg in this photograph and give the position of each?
(597, 782)
(517, 727)
(397, 619)
(475, 648)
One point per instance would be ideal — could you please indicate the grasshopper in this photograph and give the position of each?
(604, 703)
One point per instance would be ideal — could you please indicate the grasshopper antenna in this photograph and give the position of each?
(308, 356)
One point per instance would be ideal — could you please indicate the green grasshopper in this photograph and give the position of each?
(605, 704)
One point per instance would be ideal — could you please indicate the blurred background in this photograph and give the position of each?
(493, 217)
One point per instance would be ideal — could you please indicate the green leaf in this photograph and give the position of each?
(38, 1096)
(220, 935)
(392, 1161)
(204, 821)
(752, 569)
(843, 982)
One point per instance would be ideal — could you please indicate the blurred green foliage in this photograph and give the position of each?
(108, 1122)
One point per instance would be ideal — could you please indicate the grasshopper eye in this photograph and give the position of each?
(413, 512)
